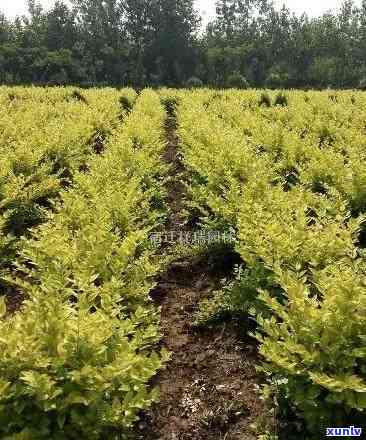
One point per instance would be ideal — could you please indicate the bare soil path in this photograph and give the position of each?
(209, 388)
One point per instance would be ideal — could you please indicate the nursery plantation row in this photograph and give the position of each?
(84, 183)
(75, 360)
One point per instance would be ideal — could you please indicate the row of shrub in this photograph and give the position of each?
(47, 135)
(239, 81)
(296, 199)
(75, 362)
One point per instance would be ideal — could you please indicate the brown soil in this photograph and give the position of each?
(13, 298)
(209, 389)
(14, 303)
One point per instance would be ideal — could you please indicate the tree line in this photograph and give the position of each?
(249, 43)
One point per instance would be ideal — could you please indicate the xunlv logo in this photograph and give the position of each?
(344, 432)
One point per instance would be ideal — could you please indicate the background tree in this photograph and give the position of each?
(157, 42)
(171, 53)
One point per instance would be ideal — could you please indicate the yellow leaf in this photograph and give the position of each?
(2, 307)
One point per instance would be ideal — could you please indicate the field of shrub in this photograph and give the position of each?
(287, 172)
(84, 182)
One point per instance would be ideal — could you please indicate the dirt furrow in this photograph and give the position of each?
(209, 389)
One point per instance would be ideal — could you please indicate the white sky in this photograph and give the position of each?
(207, 7)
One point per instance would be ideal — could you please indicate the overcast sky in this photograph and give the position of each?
(207, 7)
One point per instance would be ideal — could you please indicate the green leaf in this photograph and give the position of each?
(61, 419)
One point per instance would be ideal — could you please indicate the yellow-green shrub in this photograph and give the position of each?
(290, 180)
(70, 372)
(46, 139)
(317, 342)
(75, 362)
